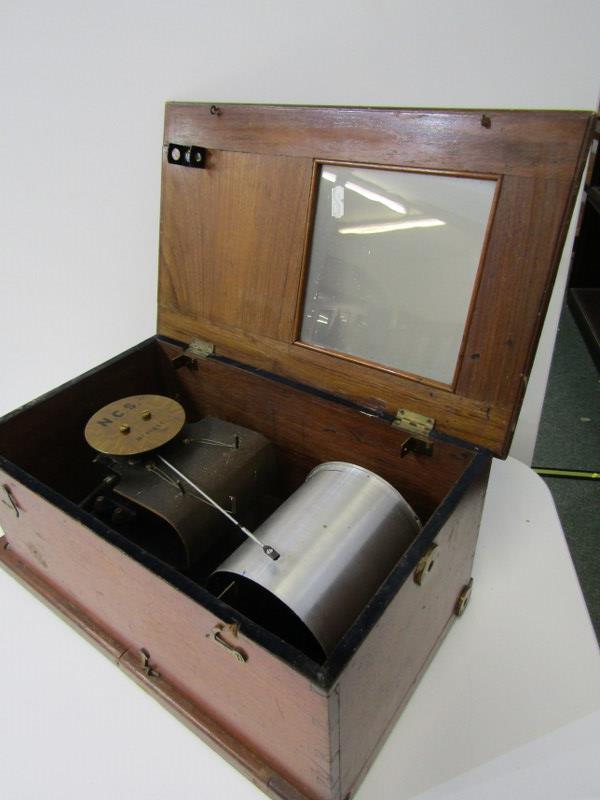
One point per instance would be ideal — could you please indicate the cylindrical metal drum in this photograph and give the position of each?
(338, 536)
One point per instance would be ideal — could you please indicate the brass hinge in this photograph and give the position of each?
(419, 427)
(411, 422)
(197, 348)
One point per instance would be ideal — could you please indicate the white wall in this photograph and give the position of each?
(83, 87)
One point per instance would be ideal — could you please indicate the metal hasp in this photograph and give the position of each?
(339, 536)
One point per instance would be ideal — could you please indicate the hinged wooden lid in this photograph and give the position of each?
(239, 187)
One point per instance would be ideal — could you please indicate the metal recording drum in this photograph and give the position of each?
(338, 536)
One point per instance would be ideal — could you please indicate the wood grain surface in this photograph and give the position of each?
(516, 142)
(309, 430)
(378, 681)
(263, 704)
(234, 236)
(231, 237)
(233, 249)
(285, 730)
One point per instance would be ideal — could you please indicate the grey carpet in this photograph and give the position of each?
(569, 438)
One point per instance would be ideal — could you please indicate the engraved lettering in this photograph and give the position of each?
(129, 406)
(104, 422)
(118, 413)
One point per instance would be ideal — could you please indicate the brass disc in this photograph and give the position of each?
(134, 424)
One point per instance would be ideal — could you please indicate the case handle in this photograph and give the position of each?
(216, 636)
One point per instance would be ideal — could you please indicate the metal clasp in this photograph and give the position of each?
(7, 498)
(463, 599)
(216, 636)
(426, 564)
(147, 666)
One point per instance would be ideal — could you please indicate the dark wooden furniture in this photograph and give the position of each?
(584, 282)
(235, 237)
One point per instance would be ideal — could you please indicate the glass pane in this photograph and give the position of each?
(393, 265)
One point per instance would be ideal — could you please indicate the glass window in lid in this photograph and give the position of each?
(393, 266)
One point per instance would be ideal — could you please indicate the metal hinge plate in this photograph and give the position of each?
(198, 348)
(414, 423)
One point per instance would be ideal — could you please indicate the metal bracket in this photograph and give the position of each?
(147, 666)
(7, 498)
(426, 564)
(419, 428)
(197, 348)
(463, 599)
(184, 156)
(418, 446)
(414, 423)
(216, 636)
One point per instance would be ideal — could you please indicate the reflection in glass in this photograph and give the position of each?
(393, 264)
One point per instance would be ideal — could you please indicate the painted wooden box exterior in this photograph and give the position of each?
(235, 241)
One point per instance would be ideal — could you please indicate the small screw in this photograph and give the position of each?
(124, 428)
(146, 414)
(175, 154)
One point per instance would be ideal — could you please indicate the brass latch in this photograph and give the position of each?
(216, 634)
(197, 348)
(7, 498)
(419, 427)
(147, 666)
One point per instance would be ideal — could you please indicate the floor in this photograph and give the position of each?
(569, 439)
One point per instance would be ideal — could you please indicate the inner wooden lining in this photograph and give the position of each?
(46, 438)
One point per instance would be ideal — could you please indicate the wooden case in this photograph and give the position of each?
(234, 245)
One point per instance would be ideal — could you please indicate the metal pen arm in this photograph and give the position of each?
(266, 548)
